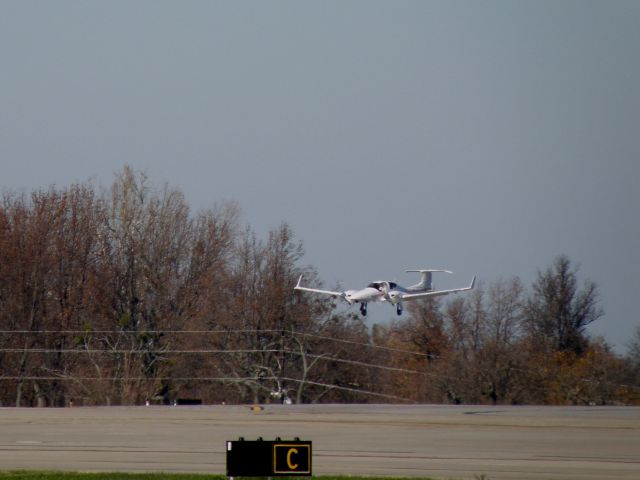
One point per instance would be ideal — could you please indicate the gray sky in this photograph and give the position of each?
(483, 137)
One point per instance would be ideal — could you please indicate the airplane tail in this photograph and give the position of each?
(425, 279)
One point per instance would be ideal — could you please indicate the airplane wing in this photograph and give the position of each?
(413, 296)
(315, 290)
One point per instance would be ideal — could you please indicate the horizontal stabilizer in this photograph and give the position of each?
(436, 293)
(428, 270)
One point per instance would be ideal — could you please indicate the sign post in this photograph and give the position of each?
(268, 458)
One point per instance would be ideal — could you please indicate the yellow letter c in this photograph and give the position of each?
(291, 451)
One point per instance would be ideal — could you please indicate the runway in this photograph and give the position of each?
(443, 442)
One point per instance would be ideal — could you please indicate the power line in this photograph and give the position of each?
(208, 351)
(214, 332)
(349, 389)
(352, 342)
(220, 330)
(214, 379)
(132, 351)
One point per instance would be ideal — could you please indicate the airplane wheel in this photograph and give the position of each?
(399, 309)
(363, 310)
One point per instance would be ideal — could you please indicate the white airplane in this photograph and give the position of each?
(384, 291)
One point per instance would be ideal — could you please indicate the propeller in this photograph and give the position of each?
(386, 288)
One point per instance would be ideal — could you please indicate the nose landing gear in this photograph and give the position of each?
(363, 309)
(399, 308)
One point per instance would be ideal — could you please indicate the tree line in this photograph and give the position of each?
(125, 296)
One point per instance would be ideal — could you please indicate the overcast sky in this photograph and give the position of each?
(484, 137)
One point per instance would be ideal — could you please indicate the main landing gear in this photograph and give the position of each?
(399, 308)
(363, 309)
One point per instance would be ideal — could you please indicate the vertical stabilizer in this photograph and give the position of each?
(426, 276)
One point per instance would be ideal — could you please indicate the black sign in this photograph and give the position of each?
(260, 458)
(292, 458)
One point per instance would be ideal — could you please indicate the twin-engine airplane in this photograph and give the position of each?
(384, 291)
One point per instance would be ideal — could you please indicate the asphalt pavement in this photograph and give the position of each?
(443, 442)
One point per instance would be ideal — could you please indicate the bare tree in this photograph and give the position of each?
(145, 259)
(27, 285)
(500, 360)
(557, 313)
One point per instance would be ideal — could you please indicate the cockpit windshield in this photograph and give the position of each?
(381, 285)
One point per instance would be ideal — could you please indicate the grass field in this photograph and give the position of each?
(45, 475)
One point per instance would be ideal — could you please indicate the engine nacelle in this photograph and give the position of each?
(394, 296)
(348, 296)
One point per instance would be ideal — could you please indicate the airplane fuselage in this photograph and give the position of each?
(381, 291)
(365, 295)
(385, 291)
